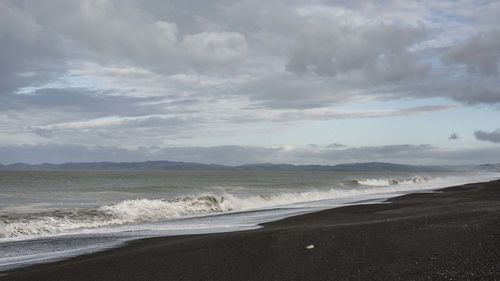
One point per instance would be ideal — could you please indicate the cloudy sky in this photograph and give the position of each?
(236, 82)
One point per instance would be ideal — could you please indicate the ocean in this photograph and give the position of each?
(51, 215)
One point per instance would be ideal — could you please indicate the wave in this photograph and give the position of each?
(390, 181)
(136, 211)
(124, 212)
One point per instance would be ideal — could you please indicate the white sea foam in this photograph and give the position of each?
(391, 181)
(138, 211)
(124, 212)
(47, 236)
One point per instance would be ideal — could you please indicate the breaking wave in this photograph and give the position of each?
(137, 211)
(124, 212)
(390, 181)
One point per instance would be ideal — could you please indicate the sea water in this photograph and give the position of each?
(51, 215)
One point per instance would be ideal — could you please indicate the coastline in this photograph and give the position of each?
(451, 234)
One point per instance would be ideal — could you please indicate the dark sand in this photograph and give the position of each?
(452, 235)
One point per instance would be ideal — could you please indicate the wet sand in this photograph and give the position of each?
(450, 235)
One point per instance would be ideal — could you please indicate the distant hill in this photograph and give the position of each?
(488, 167)
(147, 165)
(380, 166)
(369, 166)
(190, 166)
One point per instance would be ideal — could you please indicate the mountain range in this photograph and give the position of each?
(172, 165)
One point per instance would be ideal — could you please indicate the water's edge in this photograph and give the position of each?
(127, 241)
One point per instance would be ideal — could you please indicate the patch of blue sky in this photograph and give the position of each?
(432, 128)
(63, 82)
(78, 82)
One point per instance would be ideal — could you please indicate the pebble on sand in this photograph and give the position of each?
(310, 247)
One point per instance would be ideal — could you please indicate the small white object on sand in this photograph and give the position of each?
(310, 247)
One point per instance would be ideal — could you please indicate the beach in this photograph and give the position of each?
(452, 234)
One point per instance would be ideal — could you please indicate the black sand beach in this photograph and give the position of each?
(450, 235)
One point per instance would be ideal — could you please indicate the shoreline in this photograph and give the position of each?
(454, 233)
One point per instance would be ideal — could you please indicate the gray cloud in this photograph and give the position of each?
(477, 90)
(34, 35)
(481, 53)
(351, 44)
(454, 136)
(336, 145)
(44, 133)
(119, 73)
(26, 58)
(488, 136)
(55, 153)
(80, 100)
(236, 155)
(380, 52)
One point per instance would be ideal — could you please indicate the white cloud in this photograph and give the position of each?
(109, 72)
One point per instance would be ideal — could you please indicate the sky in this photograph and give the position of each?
(234, 82)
